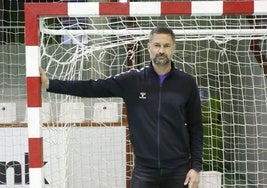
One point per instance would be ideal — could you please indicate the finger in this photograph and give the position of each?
(186, 180)
(193, 185)
(41, 70)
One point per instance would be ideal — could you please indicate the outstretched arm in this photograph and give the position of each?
(109, 87)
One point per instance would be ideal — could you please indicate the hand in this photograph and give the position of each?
(192, 179)
(44, 79)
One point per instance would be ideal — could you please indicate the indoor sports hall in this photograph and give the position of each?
(54, 140)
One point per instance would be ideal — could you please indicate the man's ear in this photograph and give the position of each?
(148, 45)
(174, 47)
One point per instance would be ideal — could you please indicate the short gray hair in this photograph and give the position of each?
(162, 30)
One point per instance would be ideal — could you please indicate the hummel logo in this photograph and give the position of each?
(142, 95)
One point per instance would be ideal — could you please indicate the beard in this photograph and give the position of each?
(161, 60)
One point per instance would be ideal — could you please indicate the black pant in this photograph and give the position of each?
(143, 177)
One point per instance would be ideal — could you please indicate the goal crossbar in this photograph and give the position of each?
(34, 11)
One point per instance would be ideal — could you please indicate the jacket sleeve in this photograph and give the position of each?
(195, 128)
(110, 87)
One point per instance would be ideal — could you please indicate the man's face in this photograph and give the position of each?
(161, 48)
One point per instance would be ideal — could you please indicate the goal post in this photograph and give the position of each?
(76, 141)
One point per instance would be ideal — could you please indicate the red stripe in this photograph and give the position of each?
(31, 27)
(33, 11)
(35, 152)
(33, 92)
(176, 8)
(106, 8)
(238, 7)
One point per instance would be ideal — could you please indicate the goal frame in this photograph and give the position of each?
(35, 11)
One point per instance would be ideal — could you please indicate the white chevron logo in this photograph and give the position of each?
(142, 95)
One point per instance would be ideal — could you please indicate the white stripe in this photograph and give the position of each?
(145, 8)
(32, 61)
(36, 177)
(83, 9)
(260, 7)
(34, 122)
(209, 8)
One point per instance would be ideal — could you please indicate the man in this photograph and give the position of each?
(164, 115)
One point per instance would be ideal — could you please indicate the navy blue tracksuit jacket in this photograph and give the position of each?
(164, 119)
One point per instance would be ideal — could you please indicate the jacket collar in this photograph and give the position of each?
(152, 68)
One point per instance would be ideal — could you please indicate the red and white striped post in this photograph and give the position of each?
(95, 9)
(35, 139)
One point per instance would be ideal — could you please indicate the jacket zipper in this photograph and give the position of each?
(158, 127)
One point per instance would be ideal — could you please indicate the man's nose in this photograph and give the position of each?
(161, 50)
